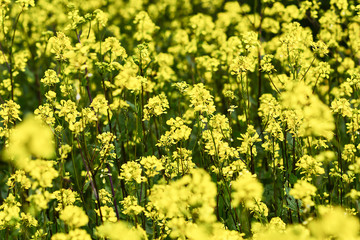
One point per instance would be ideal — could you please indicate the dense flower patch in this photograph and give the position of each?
(179, 119)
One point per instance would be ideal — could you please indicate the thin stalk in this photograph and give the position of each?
(240, 88)
(307, 70)
(11, 53)
(92, 181)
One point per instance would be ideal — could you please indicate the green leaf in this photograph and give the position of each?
(293, 179)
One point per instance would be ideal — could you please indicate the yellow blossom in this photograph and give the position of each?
(30, 138)
(131, 171)
(108, 214)
(119, 231)
(74, 216)
(247, 189)
(50, 78)
(304, 191)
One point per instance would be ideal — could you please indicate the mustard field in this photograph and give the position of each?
(179, 119)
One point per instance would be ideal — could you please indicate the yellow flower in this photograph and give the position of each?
(45, 113)
(39, 201)
(101, 17)
(192, 196)
(64, 150)
(9, 112)
(68, 110)
(42, 171)
(152, 165)
(131, 171)
(304, 191)
(108, 214)
(131, 206)
(105, 197)
(247, 189)
(316, 117)
(265, 63)
(348, 153)
(119, 231)
(50, 78)
(180, 164)
(74, 216)
(201, 99)
(248, 140)
(144, 26)
(156, 106)
(28, 220)
(78, 234)
(19, 177)
(310, 166)
(30, 138)
(60, 45)
(320, 48)
(50, 95)
(341, 106)
(107, 147)
(9, 212)
(113, 46)
(335, 223)
(178, 132)
(65, 197)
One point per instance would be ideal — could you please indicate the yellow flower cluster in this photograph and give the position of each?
(131, 171)
(304, 191)
(131, 206)
(108, 214)
(316, 118)
(179, 164)
(247, 190)
(201, 99)
(22, 145)
(74, 216)
(178, 132)
(184, 199)
(50, 78)
(65, 197)
(156, 106)
(152, 166)
(119, 231)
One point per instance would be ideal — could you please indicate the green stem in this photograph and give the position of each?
(11, 53)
